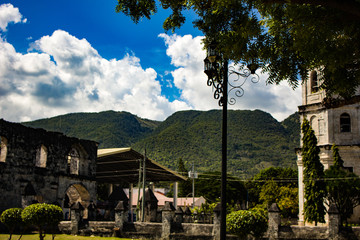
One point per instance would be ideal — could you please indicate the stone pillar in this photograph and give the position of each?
(167, 217)
(217, 220)
(75, 212)
(92, 212)
(179, 215)
(120, 216)
(334, 222)
(274, 221)
(187, 217)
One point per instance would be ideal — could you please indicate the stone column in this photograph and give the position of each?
(120, 216)
(187, 218)
(167, 217)
(75, 212)
(217, 220)
(334, 222)
(274, 221)
(179, 215)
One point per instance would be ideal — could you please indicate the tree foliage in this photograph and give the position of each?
(185, 187)
(208, 185)
(245, 222)
(314, 186)
(275, 184)
(343, 187)
(285, 38)
(11, 218)
(43, 216)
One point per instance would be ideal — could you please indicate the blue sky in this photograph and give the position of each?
(66, 56)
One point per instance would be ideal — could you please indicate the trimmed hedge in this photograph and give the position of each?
(245, 222)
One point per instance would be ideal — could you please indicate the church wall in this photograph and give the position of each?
(34, 165)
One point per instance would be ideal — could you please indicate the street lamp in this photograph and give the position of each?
(218, 72)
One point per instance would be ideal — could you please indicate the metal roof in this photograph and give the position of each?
(118, 165)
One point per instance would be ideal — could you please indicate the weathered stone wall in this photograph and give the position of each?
(22, 182)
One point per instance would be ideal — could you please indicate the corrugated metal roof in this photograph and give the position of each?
(119, 165)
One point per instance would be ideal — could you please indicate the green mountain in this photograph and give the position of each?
(255, 139)
(109, 129)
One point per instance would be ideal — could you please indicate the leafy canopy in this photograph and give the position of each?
(343, 187)
(285, 38)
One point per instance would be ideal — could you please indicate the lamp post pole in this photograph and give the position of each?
(224, 152)
(218, 72)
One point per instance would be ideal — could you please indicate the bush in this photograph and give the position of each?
(43, 216)
(245, 222)
(12, 219)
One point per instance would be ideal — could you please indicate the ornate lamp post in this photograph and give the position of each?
(218, 72)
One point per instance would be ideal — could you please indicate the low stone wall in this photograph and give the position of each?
(173, 227)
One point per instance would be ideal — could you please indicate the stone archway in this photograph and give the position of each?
(77, 193)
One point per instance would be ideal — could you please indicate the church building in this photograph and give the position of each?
(334, 121)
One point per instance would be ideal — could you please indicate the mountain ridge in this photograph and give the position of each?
(255, 139)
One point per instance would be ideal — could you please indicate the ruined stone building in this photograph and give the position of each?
(41, 166)
(334, 121)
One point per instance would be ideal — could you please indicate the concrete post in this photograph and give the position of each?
(167, 218)
(274, 221)
(334, 222)
(75, 212)
(217, 221)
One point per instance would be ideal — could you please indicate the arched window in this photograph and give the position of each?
(345, 123)
(3, 150)
(73, 161)
(41, 157)
(314, 81)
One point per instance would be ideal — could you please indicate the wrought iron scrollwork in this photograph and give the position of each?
(236, 80)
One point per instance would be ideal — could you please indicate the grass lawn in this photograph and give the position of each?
(58, 237)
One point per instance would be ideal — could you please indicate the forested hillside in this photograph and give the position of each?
(255, 139)
(109, 129)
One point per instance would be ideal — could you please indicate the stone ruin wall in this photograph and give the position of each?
(35, 160)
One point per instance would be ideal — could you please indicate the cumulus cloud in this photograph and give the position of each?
(187, 55)
(62, 74)
(8, 14)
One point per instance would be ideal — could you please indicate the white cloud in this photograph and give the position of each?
(62, 74)
(187, 54)
(8, 14)
(66, 74)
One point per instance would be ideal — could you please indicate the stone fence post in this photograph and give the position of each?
(217, 220)
(167, 218)
(179, 215)
(120, 216)
(75, 213)
(187, 217)
(274, 221)
(334, 222)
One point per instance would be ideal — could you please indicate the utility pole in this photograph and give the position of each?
(193, 175)
(143, 197)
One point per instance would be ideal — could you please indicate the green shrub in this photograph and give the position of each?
(245, 222)
(12, 219)
(43, 216)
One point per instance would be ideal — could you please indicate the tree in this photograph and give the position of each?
(208, 186)
(275, 184)
(11, 218)
(284, 38)
(43, 216)
(343, 187)
(314, 186)
(184, 186)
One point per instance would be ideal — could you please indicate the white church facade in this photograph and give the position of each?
(334, 122)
